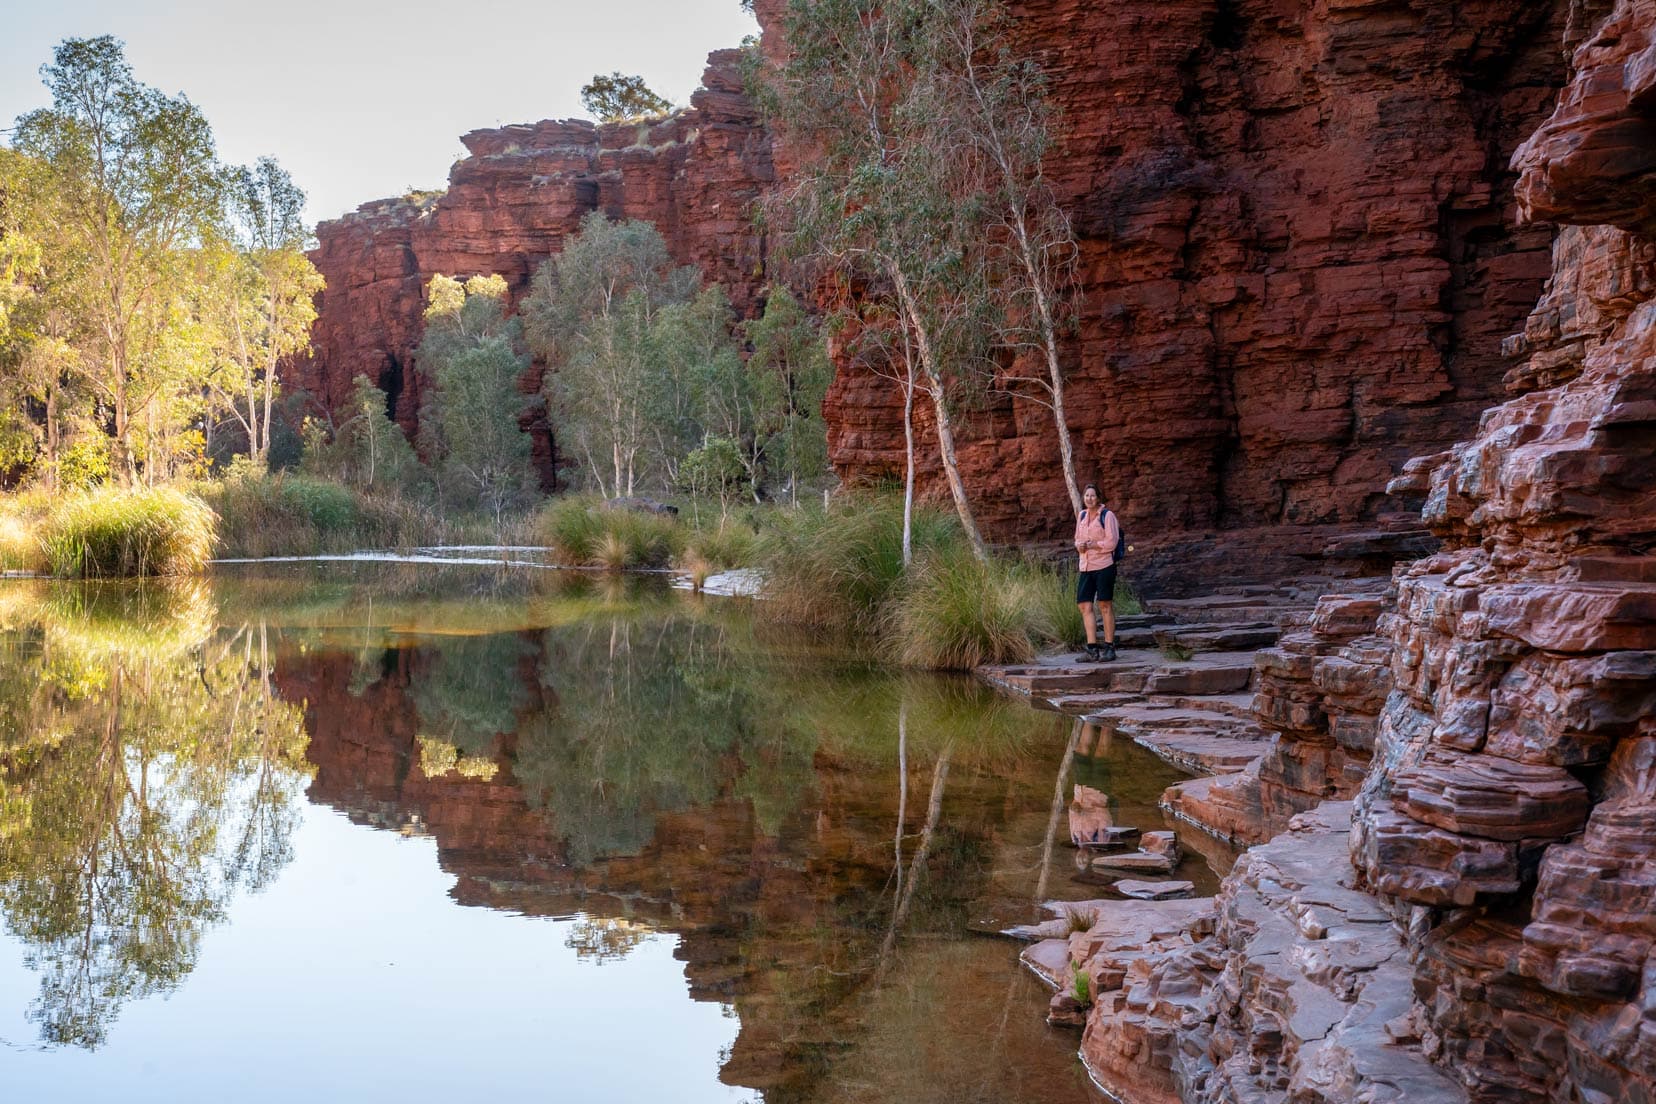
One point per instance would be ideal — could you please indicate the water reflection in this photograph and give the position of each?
(817, 835)
(147, 774)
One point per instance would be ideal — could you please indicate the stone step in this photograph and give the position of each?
(1230, 705)
(1204, 673)
(1227, 637)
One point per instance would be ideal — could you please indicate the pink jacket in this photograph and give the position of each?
(1101, 534)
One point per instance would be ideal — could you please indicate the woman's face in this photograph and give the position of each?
(1090, 497)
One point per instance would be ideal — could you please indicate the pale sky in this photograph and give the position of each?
(361, 99)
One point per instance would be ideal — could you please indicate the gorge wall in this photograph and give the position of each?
(1479, 922)
(1300, 257)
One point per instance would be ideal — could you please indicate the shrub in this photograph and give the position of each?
(160, 531)
(957, 612)
(288, 514)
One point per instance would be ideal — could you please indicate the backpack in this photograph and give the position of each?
(1121, 539)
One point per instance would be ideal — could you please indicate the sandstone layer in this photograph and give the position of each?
(1300, 256)
(1495, 875)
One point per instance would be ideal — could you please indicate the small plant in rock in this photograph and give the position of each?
(1179, 653)
(1082, 989)
(1080, 920)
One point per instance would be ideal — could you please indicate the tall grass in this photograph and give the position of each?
(838, 567)
(842, 568)
(294, 515)
(21, 517)
(955, 612)
(583, 532)
(111, 533)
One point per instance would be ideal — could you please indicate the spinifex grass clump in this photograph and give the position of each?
(109, 534)
(582, 531)
(955, 611)
(1061, 612)
(838, 567)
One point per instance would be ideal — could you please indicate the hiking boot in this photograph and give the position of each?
(1108, 654)
(1090, 654)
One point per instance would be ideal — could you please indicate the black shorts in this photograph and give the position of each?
(1099, 585)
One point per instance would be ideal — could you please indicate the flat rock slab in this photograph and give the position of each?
(1153, 891)
(1218, 638)
(1206, 673)
(1138, 862)
(1048, 960)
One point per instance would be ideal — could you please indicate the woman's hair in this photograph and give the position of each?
(1093, 487)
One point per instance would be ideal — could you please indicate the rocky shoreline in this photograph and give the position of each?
(1452, 890)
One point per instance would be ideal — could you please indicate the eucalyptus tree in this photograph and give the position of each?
(135, 177)
(261, 292)
(999, 120)
(592, 317)
(876, 197)
(618, 97)
(471, 361)
(789, 373)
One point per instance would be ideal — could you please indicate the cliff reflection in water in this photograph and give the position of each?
(818, 834)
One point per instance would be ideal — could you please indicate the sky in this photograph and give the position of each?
(362, 99)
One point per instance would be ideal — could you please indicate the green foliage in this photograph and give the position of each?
(289, 514)
(618, 394)
(84, 464)
(368, 451)
(583, 532)
(1178, 653)
(159, 531)
(715, 470)
(1082, 990)
(617, 98)
(789, 373)
(469, 423)
(133, 185)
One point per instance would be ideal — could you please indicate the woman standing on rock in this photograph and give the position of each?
(1097, 532)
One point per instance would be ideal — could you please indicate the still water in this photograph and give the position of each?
(365, 832)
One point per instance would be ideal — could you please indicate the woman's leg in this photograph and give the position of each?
(1087, 622)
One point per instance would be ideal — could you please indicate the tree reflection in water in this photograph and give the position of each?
(147, 773)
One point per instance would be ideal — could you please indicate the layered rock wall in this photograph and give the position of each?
(1299, 259)
(1488, 902)
(1518, 742)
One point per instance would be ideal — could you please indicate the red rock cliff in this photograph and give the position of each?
(510, 204)
(1300, 257)
(1480, 923)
